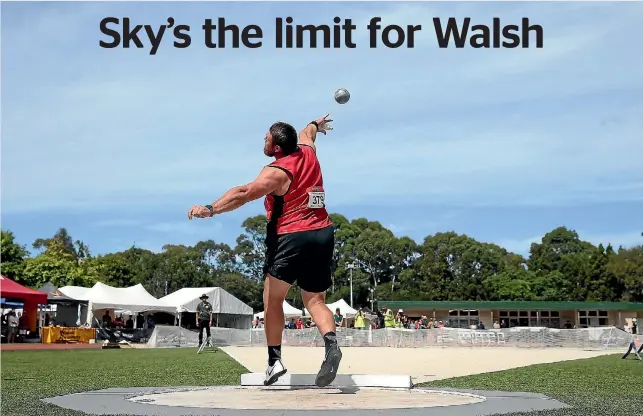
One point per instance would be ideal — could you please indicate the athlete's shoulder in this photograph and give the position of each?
(306, 148)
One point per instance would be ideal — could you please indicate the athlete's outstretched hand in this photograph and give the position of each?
(199, 211)
(324, 124)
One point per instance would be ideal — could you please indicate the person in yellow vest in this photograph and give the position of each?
(389, 319)
(359, 320)
(398, 319)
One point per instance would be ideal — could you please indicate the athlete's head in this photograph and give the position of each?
(281, 138)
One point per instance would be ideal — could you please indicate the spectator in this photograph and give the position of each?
(379, 323)
(480, 325)
(107, 320)
(12, 322)
(129, 324)
(496, 325)
(118, 321)
(389, 318)
(398, 319)
(339, 318)
(299, 324)
(424, 322)
(359, 320)
(634, 326)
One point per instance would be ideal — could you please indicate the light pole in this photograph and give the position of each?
(351, 266)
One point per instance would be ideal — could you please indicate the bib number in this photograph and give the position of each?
(316, 200)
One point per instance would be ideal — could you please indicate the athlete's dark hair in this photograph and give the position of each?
(285, 136)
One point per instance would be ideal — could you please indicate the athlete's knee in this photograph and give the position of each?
(312, 299)
(274, 290)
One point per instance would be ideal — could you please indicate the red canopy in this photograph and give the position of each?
(11, 289)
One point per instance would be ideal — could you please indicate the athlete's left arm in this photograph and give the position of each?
(268, 181)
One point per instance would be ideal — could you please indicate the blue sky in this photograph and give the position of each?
(503, 145)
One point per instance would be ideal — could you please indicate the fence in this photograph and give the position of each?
(588, 339)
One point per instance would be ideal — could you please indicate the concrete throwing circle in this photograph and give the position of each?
(280, 398)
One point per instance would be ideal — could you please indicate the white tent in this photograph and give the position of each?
(289, 311)
(229, 311)
(76, 292)
(133, 298)
(187, 299)
(344, 308)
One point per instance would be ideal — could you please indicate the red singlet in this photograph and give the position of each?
(303, 206)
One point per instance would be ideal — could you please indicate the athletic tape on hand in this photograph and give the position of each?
(326, 126)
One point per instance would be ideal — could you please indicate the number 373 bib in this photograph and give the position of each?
(316, 197)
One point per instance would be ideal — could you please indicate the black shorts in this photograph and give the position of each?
(304, 257)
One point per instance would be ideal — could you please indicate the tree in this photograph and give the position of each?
(251, 246)
(562, 250)
(514, 284)
(601, 283)
(627, 267)
(13, 257)
(249, 291)
(446, 266)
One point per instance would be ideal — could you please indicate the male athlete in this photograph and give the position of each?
(299, 238)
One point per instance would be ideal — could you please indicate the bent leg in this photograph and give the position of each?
(324, 320)
(322, 316)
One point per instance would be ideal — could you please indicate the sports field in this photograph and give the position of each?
(599, 386)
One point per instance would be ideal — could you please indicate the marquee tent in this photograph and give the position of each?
(76, 292)
(289, 312)
(30, 298)
(133, 298)
(54, 295)
(187, 299)
(229, 311)
(12, 290)
(344, 308)
(68, 311)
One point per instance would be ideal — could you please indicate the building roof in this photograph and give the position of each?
(514, 305)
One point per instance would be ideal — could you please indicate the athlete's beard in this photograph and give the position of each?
(270, 152)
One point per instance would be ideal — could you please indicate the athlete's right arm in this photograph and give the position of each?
(308, 134)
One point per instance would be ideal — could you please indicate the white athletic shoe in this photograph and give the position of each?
(274, 372)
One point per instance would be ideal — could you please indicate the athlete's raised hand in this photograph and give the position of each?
(323, 124)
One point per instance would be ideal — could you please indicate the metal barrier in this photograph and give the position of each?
(522, 337)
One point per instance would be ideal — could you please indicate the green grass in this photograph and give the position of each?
(602, 386)
(28, 376)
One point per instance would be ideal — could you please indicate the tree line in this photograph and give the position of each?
(445, 266)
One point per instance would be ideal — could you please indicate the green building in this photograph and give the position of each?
(462, 314)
